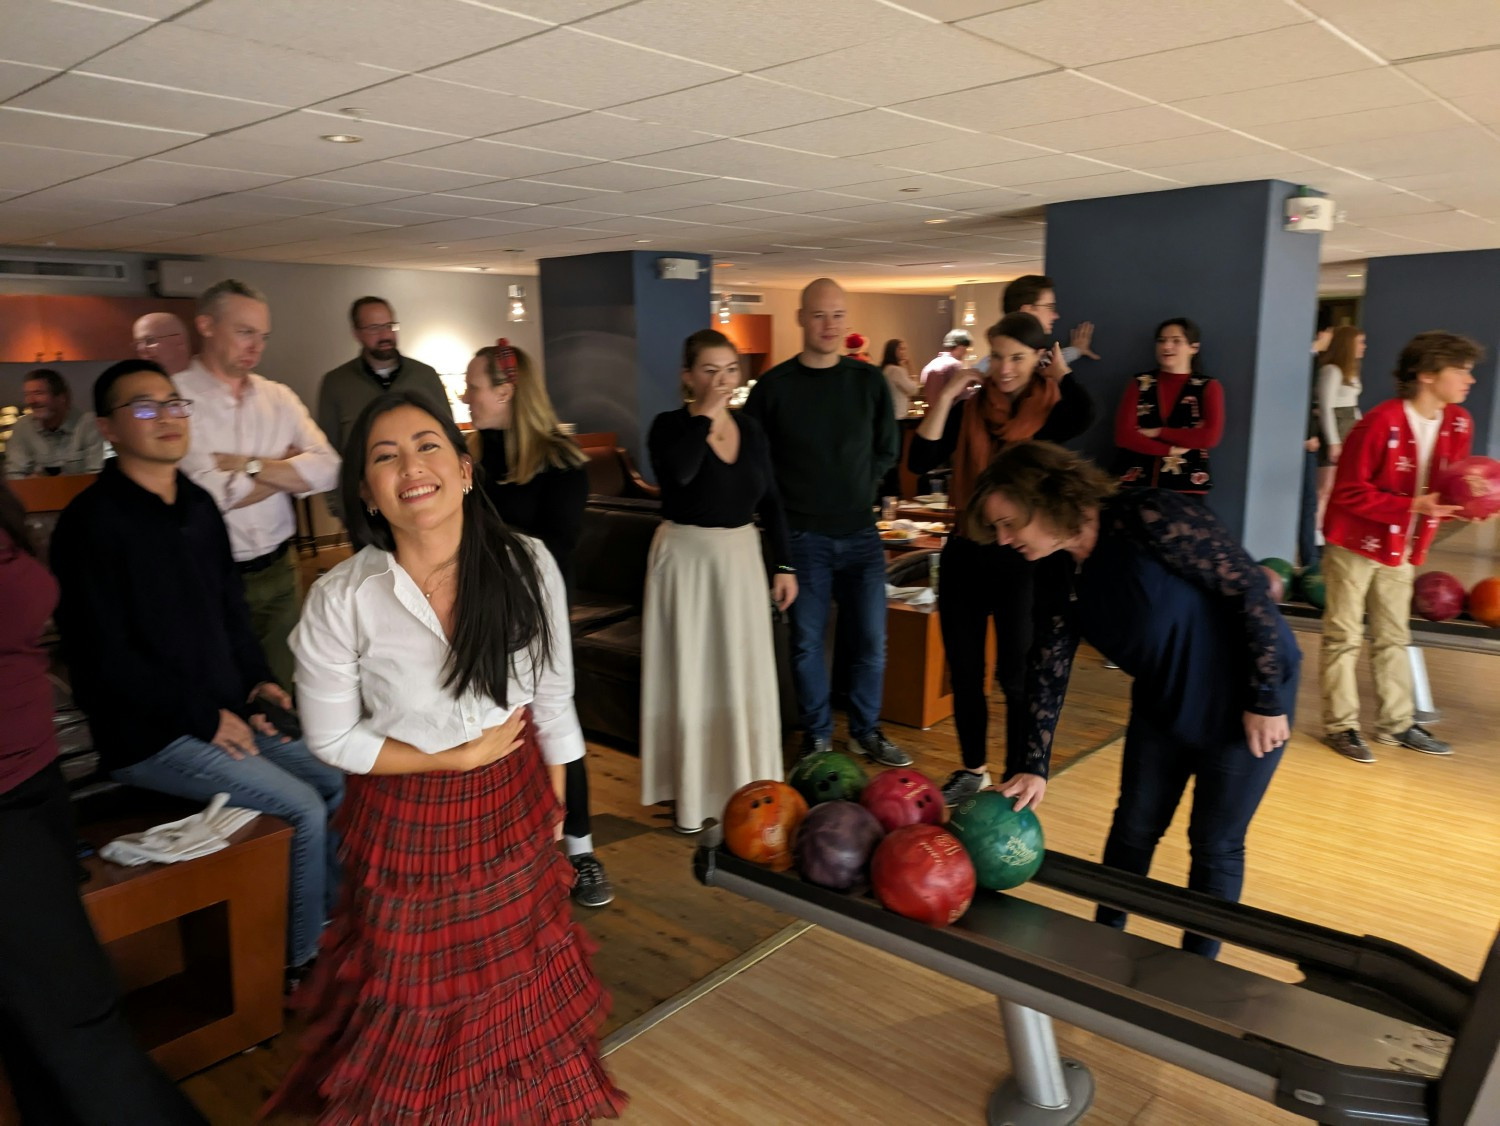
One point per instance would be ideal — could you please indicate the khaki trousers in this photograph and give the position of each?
(275, 603)
(1357, 585)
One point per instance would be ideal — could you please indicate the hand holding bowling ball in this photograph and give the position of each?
(1005, 845)
(1278, 577)
(922, 872)
(1437, 596)
(834, 844)
(1472, 486)
(760, 820)
(902, 797)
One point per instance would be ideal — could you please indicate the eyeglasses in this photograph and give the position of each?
(153, 341)
(389, 326)
(1050, 306)
(147, 410)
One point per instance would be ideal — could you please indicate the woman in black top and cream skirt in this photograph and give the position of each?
(710, 712)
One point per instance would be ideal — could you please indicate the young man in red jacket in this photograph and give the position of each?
(1380, 522)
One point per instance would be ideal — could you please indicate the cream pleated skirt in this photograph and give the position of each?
(710, 711)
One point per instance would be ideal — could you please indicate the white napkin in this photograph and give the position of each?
(911, 595)
(192, 837)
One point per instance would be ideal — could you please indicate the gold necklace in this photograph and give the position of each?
(441, 569)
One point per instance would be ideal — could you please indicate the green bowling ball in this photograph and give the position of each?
(827, 776)
(1006, 846)
(1310, 585)
(1281, 567)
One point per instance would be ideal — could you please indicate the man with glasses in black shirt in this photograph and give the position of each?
(157, 635)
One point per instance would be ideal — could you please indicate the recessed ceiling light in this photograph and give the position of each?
(342, 138)
(723, 265)
(642, 240)
(909, 189)
(932, 222)
(947, 266)
(440, 246)
(1354, 275)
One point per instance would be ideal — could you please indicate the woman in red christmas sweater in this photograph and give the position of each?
(1170, 418)
(1379, 524)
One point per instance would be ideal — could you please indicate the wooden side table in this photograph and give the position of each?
(918, 690)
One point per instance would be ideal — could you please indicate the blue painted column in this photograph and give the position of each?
(1219, 256)
(1456, 291)
(612, 333)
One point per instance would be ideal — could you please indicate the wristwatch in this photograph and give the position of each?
(253, 466)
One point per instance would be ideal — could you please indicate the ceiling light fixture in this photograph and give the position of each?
(723, 265)
(342, 138)
(934, 222)
(725, 313)
(642, 240)
(517, 312)
(970, 316)
(1354, 275)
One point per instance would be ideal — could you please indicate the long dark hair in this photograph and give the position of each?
(1191, 331)
(13, 520)
(499, 610)
(1023, 328)
(892, 350)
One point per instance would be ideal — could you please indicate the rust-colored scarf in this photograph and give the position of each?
(990, 420)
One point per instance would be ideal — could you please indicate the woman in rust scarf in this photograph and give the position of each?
(1024, 391)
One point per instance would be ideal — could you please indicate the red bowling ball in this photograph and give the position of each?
(1437, 596)
(1472, 484)
(902, 797)
(922, 872)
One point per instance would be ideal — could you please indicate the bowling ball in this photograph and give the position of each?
(1484, 603)
(1275, 584)
(902, 797)
(827, 776)
(922, 872)
(1473, 484)
(1437, 596)
(760, 820)
(1006, 846)
(1310, 587)
(834, 844)
(1280, 567)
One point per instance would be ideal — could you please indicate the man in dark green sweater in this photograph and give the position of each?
(833, 436)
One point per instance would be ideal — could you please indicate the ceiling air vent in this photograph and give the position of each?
(740, 300)
(63, 269)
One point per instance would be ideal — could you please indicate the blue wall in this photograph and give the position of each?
(1217, 255)
(1458, 291)
(612, 335)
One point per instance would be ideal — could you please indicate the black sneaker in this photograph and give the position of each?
(962, 784)
(1417, 738)
(1351, 745)
(591, 887)
(879, 749)
(812, 744)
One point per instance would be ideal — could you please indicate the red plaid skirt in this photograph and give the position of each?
(452, 987)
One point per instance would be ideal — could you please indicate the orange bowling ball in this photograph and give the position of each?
(760, 820)
(1484, 603)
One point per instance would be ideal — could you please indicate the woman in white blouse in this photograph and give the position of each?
(1338, 403)
(895, 362)
(435, 667)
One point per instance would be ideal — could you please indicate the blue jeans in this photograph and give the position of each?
(1308, 552)
(284, 780)
(849, 570)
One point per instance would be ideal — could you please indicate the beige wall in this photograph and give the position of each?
(919, 319)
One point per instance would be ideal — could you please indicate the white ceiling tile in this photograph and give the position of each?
(405, 34)
(952, 10)
(965, 150)
(722, 213)
(855, 133)
(1059, 167)
(18, 223)
(1263, 166)
(1289, 54)
(1368, 209)
(383, 214)
(618, 177)
(1441, 226)
(123, 234)
(162, 181)
(982, 200)
(1315, 97)
(1391, 121)
(62, 35)
(134, 103)
(442, 204)
(759, 162)
(934, 59)
(387, 174)
(450, 230)
(15, 77)
(26, 127)
(1093, 187)
(426, 103)
(1453, 149)
(561, 11)
(214, 242)
(1186, 150)
(91, 208)
(232, 151)
(754, 33)
(1402, 31)
(800, 224)
(906, 213)
(803, 203)
(737, 106)
(524, 191)
(654, 200)
(189, 59)
(1474, 74)
(898, 190)
(329, 191)
(1024, 101)
(604, 136)
(578, 70)
(155, 9)
(1484, 109)
(557, 215)
(1100, 30)
(492, 158)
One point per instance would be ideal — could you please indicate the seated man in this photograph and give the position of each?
(164, 662)
(53, 438)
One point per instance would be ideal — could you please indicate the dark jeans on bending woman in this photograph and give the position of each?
(978, 583)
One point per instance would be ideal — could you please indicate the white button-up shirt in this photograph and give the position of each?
(264, 423)
(370, 658)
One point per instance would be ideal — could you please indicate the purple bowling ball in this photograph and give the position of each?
(834, 844)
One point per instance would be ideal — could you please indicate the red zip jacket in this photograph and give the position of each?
(1369, 511)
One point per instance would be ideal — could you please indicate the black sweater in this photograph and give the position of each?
(549, 506)
(152, 615)
(832, 436)
(1071, 416)
(699, 488)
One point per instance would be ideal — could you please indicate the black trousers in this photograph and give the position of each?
(979, 583)
(1309, 554)
(576, 820)
(70, 1058)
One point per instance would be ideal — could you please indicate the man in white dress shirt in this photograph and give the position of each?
(254, 448)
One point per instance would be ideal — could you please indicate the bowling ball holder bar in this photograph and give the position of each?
(1375, 1034)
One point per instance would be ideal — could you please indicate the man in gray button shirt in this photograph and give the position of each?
(54, 438)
